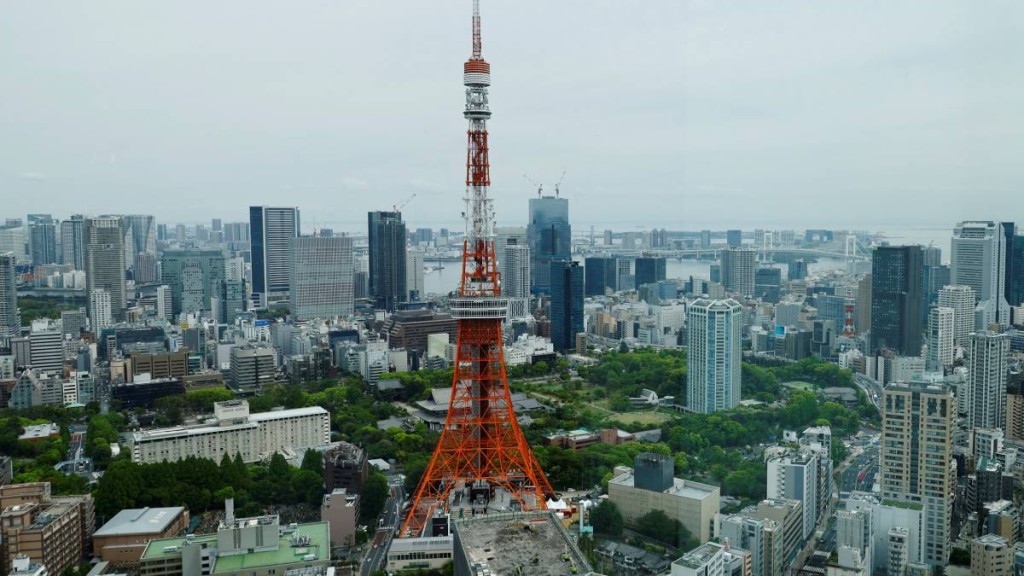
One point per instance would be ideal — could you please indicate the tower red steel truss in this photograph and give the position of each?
(482, 450)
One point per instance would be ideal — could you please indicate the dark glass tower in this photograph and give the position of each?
(600, 273)
(550, 238)
(566, 303)
(897, 292)
(386, 233)
(648, 271)
(272, 230)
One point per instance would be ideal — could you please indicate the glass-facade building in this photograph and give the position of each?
(271, 232)
(194, 276)
(387, 273)
(550, 239)
(566, 303)
(600, 273)
(897, 293)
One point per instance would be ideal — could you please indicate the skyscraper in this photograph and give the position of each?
(917, 428)
(195, 276)
(600, 274)
(566, 303)
(142, 231)
(321, 282)
(42, 239)
(648, 270)
(896, 299)
(104, 262)
(1015, 272)
(414, 275)
(715, 348)
(271, 232)
(979, 261)
(387, 259)
(987, 360)
(515, 276)
(940, 338)
(550, 239)
(738, 266)
(10, 318)
(961, 299)
(72, 241)
(734, 238)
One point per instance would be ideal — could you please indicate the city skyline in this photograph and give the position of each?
(304, 119)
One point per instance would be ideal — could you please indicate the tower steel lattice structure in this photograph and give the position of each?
(482, 453)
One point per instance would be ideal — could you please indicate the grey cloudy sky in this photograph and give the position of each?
(669, 113)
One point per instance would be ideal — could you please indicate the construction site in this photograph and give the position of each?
(513, 543)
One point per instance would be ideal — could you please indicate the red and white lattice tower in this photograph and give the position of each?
(482, 453)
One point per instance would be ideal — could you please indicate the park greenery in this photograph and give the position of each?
(36, 308)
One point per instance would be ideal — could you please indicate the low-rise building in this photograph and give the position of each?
(652, 486)
(708, 559)
(54, 531)
(123, 539)
(258, 546)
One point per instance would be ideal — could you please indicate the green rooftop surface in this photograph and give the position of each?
(319, 544)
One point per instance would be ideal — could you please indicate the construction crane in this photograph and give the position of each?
(398, 207)
(559, 183)
(537, 185)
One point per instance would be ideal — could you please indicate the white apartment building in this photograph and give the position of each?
(236, 431)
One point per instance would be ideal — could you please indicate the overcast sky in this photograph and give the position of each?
(678, 114)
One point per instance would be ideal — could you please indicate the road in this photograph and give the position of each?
(387, 526)
(871, 387)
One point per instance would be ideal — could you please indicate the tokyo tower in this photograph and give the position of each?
(482, 460)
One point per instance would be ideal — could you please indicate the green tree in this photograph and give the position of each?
(313, 461)
(658, 526)
(606, 519)
(374, 497)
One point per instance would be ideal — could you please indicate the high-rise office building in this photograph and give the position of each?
(387, 282)
(105, 262)
(194, 276)
(10, 317)
(940, 338)
(1009, 233)
(714, 338)
(515, 276)
(12, 239)
(648, 270)
(600, 275)
(896, 299)
(72, 241)
(1015, 272)
(979, 261)
(321, 280)
(271, 233)
(734, 238)
(142, 232)
(549, 236)
(414, 275)
(144, 269)
(987, 361)
(42, 239)
(738, 267)
(232, 300)
(961, 299)
(916, 452)
(164, 303)
(100, 313)
(566, 303)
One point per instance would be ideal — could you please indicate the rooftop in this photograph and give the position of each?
(284, 555)
(40, 431)
(683, 488)
(699, 556)
(536, 542)
(140, 521)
